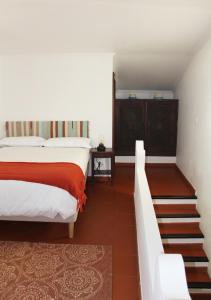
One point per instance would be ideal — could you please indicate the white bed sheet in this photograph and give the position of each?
(20, 198)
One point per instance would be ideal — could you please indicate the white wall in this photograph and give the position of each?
(194, 133)
(1, 102)
(58, 87)
(145, 94)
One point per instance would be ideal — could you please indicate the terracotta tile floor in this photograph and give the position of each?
(166, 180)
(108, 219)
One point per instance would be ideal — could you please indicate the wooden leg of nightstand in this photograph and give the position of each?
(93, 165)
(112, 168)
(71, 230)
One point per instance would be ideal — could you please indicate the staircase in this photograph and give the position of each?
(178, 221)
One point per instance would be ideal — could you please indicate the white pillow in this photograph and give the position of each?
(24, 141)
(68, 142)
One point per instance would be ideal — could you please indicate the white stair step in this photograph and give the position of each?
(179, 220)
(174, 201)
(199, 291)
(183, 241)
(197, 264)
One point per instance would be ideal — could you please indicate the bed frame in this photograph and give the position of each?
(70, 221)
(47, 129)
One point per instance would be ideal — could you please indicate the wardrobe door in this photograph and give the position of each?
(161, 127)
(129, 125)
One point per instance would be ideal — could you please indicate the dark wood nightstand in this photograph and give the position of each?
(108, 153)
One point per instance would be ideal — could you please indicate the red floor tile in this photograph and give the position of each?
(107, 219)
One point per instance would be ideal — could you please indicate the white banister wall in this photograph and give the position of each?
(162, 275)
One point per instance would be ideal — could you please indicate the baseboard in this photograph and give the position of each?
(148, 165)
(124, 159)
(149, 159)
(161, 159)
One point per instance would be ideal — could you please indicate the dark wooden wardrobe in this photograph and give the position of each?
(154, 121)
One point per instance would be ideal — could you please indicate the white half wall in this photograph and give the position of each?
(58, 87)
(194, 134)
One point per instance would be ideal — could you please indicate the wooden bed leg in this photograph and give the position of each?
(71, 230)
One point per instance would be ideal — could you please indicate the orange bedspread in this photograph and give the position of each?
(67, 176)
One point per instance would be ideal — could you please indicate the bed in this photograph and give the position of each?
(42, 184)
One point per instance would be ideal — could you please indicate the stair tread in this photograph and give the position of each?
(180, 230)
(198, 277)
(197, 296)
(190, 252)
(176, 210)
(190, 197)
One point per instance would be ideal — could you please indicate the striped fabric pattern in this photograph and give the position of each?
(47, 129)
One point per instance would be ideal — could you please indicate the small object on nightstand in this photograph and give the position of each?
(107, 153)
(101, 147)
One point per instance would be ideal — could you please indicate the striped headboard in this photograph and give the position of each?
(47, 129)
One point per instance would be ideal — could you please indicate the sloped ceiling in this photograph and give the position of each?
(153, 39)
(149, 71)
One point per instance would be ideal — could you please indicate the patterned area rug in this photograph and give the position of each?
(38, 271)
